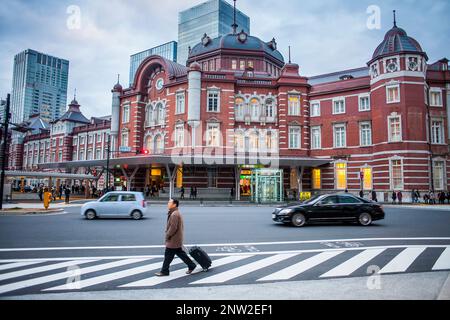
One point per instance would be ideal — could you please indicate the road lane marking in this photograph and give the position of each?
(225, 254)
(65, 274)
(353, 264)
(17, 265)
(181, 273)
(298, 268)
(443, 262)
(113, 276)
(220, 244)
(245, 269)
(26, 272)
(403, 260)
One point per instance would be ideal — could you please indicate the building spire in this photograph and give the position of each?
(75, 94)
(234, 25)
(118, 78)
(395, 19)
(289, 54)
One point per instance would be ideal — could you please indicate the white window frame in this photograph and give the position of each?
(61, 142)
(123, 140)
(312, 109)
(336, 100)
(298, 133)
(180, 103)
(361, 140)
(239, 108)
(434, 137)
(443, 177)
(434, 91)
(210, 92)
(390, 86)
(319, 142)
(255, 110)
(336, 175)
(360, 106)
(392, 116)
(179, 135)
(126, 114)
(294, 110)
(210, 128)
(338, 126)
(391, 174)
(270, 103)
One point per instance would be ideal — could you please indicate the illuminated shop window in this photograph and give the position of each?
(341, 176)
(316, 178)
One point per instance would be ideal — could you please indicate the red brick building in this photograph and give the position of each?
(240, 120)
(382, 127)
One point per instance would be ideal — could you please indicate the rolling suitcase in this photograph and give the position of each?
(201, 257)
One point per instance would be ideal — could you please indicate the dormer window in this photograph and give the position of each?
(346, 77)
(374, 70)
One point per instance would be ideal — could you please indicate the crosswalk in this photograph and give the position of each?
(96, 273)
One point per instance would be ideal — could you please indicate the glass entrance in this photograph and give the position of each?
(267, 185)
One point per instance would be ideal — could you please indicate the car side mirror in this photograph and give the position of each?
(317, 204)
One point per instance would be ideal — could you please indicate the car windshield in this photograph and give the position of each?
(312, 200)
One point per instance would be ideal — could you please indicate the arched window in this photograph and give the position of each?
(148, 144)
(254, 141)
(158, 147)
(239, 141)
(255, 108)
(149, 114)
(270, 108)
(239, 104)
(160, 114)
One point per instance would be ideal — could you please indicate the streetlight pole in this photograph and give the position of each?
(3, 149)
(107, 162)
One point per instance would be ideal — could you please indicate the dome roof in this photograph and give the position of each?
(396, 41)
(240, 41)
(117, 88)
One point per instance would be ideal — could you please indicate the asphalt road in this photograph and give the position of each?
(37, 253)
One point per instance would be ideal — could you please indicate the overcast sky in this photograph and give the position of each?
(325, 35)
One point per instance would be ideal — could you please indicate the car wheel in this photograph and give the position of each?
(365, 219)
(90, 215)
(136, 215)
(298, 220)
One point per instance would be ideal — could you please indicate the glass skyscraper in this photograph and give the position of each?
(39, 86)
(214, 18)
(167, 50)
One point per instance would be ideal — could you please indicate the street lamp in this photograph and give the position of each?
(3, 149)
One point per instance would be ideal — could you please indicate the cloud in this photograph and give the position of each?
(325, 36)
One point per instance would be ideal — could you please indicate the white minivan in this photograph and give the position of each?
(116, 204)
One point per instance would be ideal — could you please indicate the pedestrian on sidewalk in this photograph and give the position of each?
(195, 193)
(442, 197)
(174, 240)
(432, 198)
(182, 192)
(448, 197)
(400, 197)
(67, 193)
(394, 197)
(374, 196)
(361, 194)
(413, 196)
(41, 193)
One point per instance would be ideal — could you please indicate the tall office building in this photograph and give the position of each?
(2, 110)
(39, 86)
(167, 50)
(214, 18)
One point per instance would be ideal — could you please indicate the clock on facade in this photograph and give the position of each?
(159, 84)
(242, 37)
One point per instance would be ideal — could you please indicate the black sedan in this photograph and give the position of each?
(330, 208)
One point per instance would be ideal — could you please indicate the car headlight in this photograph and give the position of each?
(285, 212)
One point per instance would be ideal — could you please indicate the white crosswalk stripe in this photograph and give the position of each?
(31, 274)
(298, 268)
(443, 262)
(240, 271)
(66, 274)
(182, 273)
(113, 276)
(27, 272)
(353, 264)
(18, 265)
(403, 260)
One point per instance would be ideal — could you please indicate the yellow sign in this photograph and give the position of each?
(156, 172)
(246, 172)
(305, 196)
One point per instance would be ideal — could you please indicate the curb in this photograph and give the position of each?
(36, 213)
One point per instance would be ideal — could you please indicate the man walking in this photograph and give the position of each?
(67, 193)
(174, 240)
